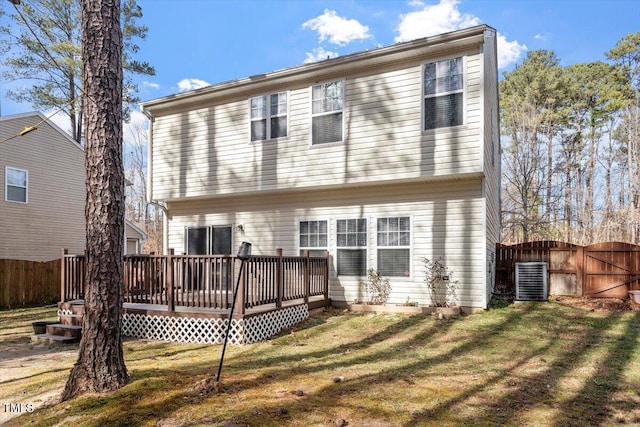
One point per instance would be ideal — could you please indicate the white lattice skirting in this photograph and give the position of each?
(211, 331)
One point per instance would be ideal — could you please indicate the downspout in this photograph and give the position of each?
(166, 217)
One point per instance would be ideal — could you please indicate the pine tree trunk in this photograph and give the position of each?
(100, 366)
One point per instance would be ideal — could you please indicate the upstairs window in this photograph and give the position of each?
(352, 247)
(16, 184)
(327, 100)
(313, 237)
(444, 93)
(269, 115)
(394, 242)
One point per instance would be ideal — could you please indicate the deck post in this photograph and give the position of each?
(63, 276)
(306, 274)
(168, 282)
(241, 291)
(326, 276)
(279, 276)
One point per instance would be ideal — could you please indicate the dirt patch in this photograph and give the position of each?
(28, 372)
(614, 305)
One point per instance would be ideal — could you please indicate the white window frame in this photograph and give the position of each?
(408, 246)
(267, 118)
(462, 90)
(318, 247)
(364, 247)
(7, 185)
(327, 113)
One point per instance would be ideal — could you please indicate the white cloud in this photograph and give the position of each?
(542, 37)
(151, 85)
(434, 19)
(508, 52)
(191, 84)
(445, 17)
(319, 54)
(336, 29)
(416, 3)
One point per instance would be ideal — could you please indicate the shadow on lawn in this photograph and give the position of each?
(596, 396)
(160, 393)
(587, 408)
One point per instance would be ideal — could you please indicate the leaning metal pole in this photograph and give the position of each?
(244, 253)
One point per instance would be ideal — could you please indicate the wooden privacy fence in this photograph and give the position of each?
(601, 270)
(208, 281)
(28, 283)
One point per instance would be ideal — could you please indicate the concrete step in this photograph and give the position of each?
(61, 330)
(75, 307)
(53, 339)
(71, 319)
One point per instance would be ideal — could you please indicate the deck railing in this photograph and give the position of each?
(208, 281)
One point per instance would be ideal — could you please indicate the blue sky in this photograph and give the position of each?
(213, 41)
(197, 42)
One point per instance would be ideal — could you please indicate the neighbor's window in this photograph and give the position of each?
(352, 247)
(16, 181)
(394, 242)
(269, 116)
(327, 101)
(443, 93)
(313, 237)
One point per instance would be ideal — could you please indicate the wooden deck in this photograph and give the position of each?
(191, 283)
(189, 298)
(201, 312)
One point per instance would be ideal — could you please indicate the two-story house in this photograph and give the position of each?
(382, 158)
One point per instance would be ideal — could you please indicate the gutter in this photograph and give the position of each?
(167, 216)
(149, 116)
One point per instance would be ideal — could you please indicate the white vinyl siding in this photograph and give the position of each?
(327, 103)
(491, 143)
(16, 185)
(446, 222)
(54, 217)
(204, 152)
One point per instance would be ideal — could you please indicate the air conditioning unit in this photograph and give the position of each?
(531, 281)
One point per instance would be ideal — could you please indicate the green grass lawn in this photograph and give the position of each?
(522, 365)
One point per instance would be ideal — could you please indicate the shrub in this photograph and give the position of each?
(439, 280)
(376, 287)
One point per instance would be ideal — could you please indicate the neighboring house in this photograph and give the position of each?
(134, 237)
(43, 195)
(43, 192)
(381, 158)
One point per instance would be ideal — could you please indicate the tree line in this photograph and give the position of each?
(571, 147)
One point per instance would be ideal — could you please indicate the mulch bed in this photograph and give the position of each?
(613, 305)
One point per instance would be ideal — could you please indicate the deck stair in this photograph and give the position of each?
(68, 330)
